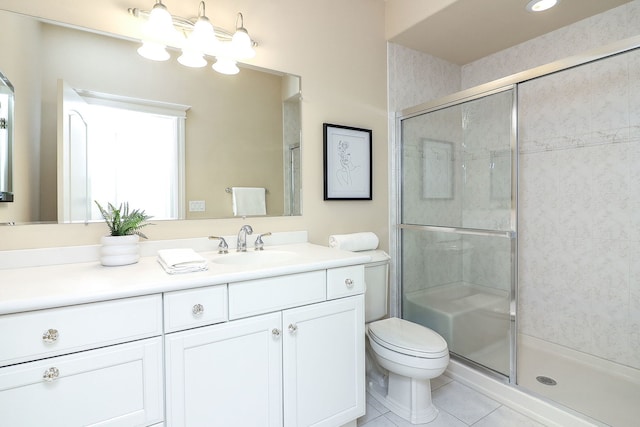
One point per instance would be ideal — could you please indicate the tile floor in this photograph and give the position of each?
(459, 405)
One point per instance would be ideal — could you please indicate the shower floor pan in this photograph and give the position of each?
(470, 318)
(601, 389)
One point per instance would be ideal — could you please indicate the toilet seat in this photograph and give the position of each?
(408, 338)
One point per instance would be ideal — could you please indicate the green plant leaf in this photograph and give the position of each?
(121, 222)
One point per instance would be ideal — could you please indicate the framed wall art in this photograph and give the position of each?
(347, 163)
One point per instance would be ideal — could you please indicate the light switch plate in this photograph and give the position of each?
(196, 206)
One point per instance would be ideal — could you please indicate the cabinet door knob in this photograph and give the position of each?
(50, 335)
(275, 332)
(50, 374)
(292, 328)
(197, 309)
(348, 283)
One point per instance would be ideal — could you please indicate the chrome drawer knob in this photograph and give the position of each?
(51, 374)
(292, 328)
(197, 310)
(50, 335)
(275, 332)
(348, 283)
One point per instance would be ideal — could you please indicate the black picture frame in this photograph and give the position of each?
(347, 162)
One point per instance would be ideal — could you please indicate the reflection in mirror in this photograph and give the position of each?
(239, 131)
(6, 139)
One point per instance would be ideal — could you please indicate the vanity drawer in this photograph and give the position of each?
(276, 293)
(119, 385)
(345, 281)
(44, 333)
(195, 307)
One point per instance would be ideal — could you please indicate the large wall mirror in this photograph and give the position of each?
(6, 139)
(231, 131)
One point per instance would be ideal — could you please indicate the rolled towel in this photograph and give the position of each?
(364, 241)
(182, 260)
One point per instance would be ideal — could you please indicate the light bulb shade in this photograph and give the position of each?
(160, 24)
(241, 45)
(225, 66)
(191, 58)
(203, 37)
(153, 51)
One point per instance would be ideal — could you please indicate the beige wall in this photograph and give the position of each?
(344, 81)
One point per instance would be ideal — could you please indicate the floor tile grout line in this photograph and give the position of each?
(485, 416)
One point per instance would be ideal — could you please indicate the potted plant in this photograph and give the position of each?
(121, 247)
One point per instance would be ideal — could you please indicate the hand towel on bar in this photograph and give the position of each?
(354, 242)
(248, 201)
(181, 261)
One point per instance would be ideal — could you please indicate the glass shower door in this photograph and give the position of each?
(458, 226)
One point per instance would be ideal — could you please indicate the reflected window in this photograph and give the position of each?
(133, 157)
(117, 149)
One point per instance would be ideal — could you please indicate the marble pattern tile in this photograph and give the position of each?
(463, 402)
(506, 417)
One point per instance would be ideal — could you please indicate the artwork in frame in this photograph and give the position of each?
(437, 169)
(347, 163)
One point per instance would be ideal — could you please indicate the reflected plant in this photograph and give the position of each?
(122, 222)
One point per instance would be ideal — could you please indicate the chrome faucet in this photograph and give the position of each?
(242, 238)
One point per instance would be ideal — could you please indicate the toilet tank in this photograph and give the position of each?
(376, 278)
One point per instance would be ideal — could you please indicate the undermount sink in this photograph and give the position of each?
(255, 257)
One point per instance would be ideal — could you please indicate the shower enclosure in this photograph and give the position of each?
(458, 225)
(553, 155)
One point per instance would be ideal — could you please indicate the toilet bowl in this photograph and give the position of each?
(412, 355)
(403, 356)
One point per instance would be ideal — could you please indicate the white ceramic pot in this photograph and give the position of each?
(119, 250)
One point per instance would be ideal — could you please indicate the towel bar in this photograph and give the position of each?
(228, 190)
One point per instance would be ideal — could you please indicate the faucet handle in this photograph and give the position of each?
(259, 244)
(223, 248)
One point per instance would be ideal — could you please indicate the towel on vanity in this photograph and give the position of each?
(364, 241)
(181, 261)
(248, 201)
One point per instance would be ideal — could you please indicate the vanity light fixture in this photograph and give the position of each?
(196, 37)
(541, 5)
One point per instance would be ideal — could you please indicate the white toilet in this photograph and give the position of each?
(402, 357)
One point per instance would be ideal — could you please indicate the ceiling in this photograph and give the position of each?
(467, 30)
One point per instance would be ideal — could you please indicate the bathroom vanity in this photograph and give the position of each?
(262, 340)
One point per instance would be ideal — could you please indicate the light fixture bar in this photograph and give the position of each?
(187, 24)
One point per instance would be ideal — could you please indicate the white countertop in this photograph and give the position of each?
(47, 286)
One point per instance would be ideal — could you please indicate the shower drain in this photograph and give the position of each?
(546, 380)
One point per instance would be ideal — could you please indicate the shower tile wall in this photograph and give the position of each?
(579, 226)
(415, 77)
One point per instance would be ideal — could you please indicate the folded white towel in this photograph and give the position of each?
(364, 241)
(248, 201)
(183, 260)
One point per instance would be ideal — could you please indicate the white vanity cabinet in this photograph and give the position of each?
(323, 363)
(288, 357)
(226, 375)
(106, 369)
(256, 344)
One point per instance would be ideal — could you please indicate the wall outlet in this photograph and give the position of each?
(196, 206)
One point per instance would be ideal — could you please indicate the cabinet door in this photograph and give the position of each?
(323, 363)
(226, 375)
(113, 386)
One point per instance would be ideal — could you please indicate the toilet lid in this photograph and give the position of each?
(409, 338)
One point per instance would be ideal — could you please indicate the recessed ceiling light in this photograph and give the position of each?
(540, 5)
